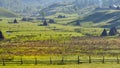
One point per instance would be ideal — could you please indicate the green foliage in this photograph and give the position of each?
(15, 21)
(51, 21)
(43, 14)
(45, 23)
(78, 23)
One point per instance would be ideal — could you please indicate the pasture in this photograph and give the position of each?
(57, 45)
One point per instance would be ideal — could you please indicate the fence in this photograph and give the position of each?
(61, 61)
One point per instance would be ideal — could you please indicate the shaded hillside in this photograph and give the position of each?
(6, 13)
(34, 6)
(108, 18)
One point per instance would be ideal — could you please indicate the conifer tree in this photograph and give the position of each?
(15, 21)
(78, 23)
(45, 23)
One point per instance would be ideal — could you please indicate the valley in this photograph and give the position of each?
(60, 34)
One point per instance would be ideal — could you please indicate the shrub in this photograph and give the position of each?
(51, 21)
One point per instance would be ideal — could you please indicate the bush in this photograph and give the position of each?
(27, 19)
(1, 19)
(78, 23)
(51, 21)
(24, 19)
(61, 16)
(15, 21)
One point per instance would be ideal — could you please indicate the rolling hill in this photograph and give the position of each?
(7, 13)
(102, 18)
(33, 6)
(59, 8)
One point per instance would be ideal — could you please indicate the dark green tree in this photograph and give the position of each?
(24, 19)
(43, 15)
(104, 33)
(78, 23)
(113, 31)
(1, 36)
(15, 21)
(61, 16)
(51, 21)
(45, 23)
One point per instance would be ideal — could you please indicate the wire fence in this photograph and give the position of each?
(62, 61)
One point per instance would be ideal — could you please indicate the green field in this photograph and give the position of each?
(68, 66)
(56, 42)
(59, 34)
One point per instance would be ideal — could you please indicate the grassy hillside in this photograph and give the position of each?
(59, 7)
(102, 18)
(6, 13)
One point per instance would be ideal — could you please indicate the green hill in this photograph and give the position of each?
(6, 13)
(102, 18)
(67, 8)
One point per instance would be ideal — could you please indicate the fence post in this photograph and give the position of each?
(103, 61)
(117, 60)
(78, 60)
(50, 60)
(21, 60)
(90, 59)
(35, 61)
(3, 62)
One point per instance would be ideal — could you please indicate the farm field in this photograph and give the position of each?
(59, 34)
(68, 66)
(58, 45)
(55, 39)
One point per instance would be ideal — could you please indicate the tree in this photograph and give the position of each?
(1, 36)
(104, 33)
(51, 21)
(45, 23)
(43, 15)
(24, 19)
(78, 23)
(15, 21)
(113, 31)
(61, 16)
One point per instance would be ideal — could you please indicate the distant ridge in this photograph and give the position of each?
(6, 13)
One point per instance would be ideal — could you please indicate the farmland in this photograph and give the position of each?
(68, 66)
(49, 45)
(59, 34)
